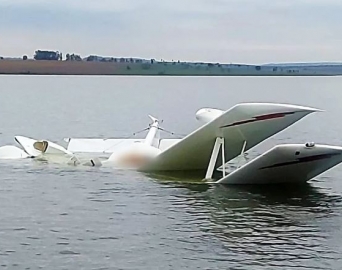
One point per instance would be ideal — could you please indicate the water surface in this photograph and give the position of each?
(60, 217)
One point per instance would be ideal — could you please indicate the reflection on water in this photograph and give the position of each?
(95, 218)
(258, 226)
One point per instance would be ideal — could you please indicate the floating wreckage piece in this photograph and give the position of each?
(43, 150)
(93, 162)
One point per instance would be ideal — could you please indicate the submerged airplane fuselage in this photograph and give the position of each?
(224, 136)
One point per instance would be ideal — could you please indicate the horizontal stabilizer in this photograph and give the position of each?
(36, 148)
(12, 152)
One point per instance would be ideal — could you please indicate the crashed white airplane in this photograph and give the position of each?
(224, 136)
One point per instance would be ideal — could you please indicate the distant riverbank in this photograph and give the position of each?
(47, 67)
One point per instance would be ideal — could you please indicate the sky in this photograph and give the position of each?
(226, 31)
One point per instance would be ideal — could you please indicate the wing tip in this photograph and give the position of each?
(281, 105)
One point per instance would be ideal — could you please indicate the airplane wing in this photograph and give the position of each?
(249, 123)
(288, 163)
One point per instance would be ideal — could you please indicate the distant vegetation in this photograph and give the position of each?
(73, 57)
(58, 56)
(130, 65)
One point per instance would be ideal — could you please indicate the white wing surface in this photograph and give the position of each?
(292, 163)
(83, 145)
(247, 122)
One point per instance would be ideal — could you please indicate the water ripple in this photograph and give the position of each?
(97, 220)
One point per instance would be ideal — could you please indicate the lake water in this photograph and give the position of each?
(59, 217)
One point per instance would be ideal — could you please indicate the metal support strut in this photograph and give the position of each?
(218, 144)
(241, 157)
(214, 155)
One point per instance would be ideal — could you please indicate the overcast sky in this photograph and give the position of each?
(243, 31)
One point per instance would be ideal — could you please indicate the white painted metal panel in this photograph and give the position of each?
(80, 145)
(292, 163)
(250, 122)
(12, 152)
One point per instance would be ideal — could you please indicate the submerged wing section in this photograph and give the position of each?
(292, 163)
(83, 145)
(246, 124)
(12, 152)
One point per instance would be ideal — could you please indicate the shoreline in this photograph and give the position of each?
(47, 67)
